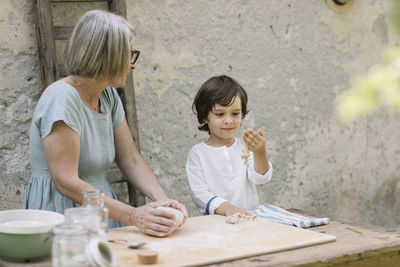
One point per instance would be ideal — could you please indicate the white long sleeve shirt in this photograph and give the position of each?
(218, 174)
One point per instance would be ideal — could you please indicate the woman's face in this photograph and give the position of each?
(120, 81)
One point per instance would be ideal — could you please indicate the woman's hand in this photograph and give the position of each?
(176, 205)
(156, 222)
(227, 209)
(152, 221)
(172, 203)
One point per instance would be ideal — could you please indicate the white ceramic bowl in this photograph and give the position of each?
(29, 221)
(25, 235)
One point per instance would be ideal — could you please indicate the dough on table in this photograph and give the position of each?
(239, 218)
(177, 214)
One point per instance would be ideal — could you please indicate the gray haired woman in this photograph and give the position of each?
(79, 130)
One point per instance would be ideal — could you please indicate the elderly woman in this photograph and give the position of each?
(79, 129)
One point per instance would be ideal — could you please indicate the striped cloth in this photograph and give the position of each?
(276, 214)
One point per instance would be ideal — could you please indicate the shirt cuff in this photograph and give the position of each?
(213, 204)
(262, 178)
(269, 172)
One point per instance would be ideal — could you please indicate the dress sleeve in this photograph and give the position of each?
(58, 103)
(205, 200)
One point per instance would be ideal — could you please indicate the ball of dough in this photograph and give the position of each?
(177, 215)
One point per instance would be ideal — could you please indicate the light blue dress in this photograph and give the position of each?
(61, 102)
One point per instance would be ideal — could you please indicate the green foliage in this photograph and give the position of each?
(380, 87)
(396, 14)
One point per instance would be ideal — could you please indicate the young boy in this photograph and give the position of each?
(221, 182)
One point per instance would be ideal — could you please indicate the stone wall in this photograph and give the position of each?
(292, 56)
(19, 92)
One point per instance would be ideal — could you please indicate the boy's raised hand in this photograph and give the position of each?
(255, 141)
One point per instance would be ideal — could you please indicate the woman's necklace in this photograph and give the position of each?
(93, 106)
(81, 87)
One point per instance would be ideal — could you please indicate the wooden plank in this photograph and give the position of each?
(118, 7)
(209, 239)
(68, 1)
(127, 94)
(62, 32)
(46, 42)
(128, 98)
(385, 257)
(62, 71)
(356, 245)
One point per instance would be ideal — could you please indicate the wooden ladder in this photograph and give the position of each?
(51, 70)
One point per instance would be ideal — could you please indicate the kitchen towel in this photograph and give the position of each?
(276, 214)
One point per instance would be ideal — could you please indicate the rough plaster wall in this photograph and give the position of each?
(19, 91)
(292, 56)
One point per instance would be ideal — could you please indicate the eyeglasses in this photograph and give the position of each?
(134, 56)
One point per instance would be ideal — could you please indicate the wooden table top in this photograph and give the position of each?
(356, 245)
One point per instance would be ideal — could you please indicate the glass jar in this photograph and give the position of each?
(96, 199)
(88, 217)
(99, 254)
(68, 247)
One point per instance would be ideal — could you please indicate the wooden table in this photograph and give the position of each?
(356, 245)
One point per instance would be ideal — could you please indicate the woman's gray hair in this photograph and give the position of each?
(99, 45)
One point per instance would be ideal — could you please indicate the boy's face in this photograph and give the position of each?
(224, 121)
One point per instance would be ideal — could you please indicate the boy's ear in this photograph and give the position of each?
(205, 121)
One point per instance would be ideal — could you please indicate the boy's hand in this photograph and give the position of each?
(255, 141)
(227, 209)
